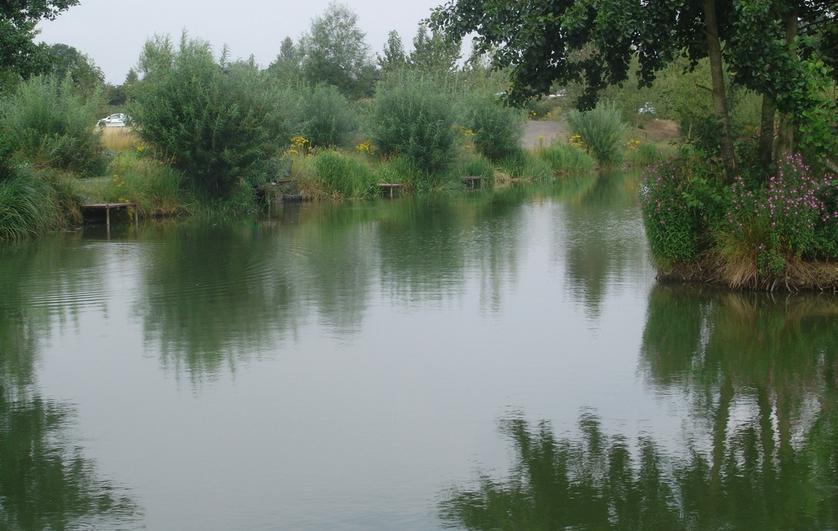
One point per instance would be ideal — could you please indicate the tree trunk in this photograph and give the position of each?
(766, 134)
(785, 136)
(714, 54)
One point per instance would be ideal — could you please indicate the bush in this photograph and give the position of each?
(47, 123)
(566, 159)
(327, 118)
(413, 119)
(399, 170)
(602, 130)
(496, 129)
(344, 175)
(213, 120)
(680, 203)
(791, 215)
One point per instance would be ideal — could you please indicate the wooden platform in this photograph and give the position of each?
(473, 182)
(107, 207)
(390, 188)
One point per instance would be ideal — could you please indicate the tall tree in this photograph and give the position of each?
(393, 57)
(66, 61)
(18, 18)
(287, 62)
(434, 51)
(335, 51)
(593, 41)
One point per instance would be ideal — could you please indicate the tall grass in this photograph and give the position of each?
(344, 175)
(526, 165)
(32, 204)
(152, 186)
(565, 159)
(119, 139)
(49, 124)
(602, 130)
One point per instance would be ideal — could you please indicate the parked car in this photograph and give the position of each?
(115, 120)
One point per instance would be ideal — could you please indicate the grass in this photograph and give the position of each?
(34, 203)
(152, 186)
(119, 139)
(565, 159)
(602, 130)
(525, 165)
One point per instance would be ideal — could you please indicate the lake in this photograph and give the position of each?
(495, 360)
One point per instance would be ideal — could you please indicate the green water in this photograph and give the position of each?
(488, 361)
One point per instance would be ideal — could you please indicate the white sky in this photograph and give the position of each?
(112, 32)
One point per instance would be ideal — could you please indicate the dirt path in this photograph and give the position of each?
(545, 131)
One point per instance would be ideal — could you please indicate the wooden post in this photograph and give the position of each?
(108, 220)
(136, 218)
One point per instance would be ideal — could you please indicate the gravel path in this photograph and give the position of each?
(547, 130)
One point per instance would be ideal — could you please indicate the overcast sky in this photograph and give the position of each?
(112, 32)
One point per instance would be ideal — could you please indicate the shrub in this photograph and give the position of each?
(327, 118)
(48, 123)
(602, 130)
(212, 119)
(566, 159)
(413, 119)
(789, 214)
(496, 129)
(344, 175)
(680, 203)
(399, 170)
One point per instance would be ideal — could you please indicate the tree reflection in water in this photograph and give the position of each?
(772, 465)
(46, 482)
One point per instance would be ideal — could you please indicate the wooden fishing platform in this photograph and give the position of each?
(281, 191)
(473, 182)
(89, 208)
(390, 188)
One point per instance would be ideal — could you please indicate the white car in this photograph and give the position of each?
(115, 120)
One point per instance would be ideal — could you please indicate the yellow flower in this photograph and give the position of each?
(633, 144)
(364, 147)
(577, 141)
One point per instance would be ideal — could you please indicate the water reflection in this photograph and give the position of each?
(760, 446)
(46, 482)
(600, 238)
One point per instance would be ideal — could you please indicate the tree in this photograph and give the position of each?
(65, 61)
(287, 62)
(393, 57)
(593, 42)
(19, 55)
(335, 52)
(434, 51)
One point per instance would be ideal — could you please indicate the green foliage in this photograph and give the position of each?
(680, 205)
(413, 118)
(151, 185)
(344, 175)
(496, 128)
(48, 123)
(399, 170)
(434, 51)
(215, 121)
(287, 65)
(526, 165)
(334, 52)
(602, 129)
(34, 203)
(473, 165)
(793, 215)
(65, 61)
(19, 55)
(327, 118)
(393, 57)
(566, 159)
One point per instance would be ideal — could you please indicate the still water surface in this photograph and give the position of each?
(499, 360)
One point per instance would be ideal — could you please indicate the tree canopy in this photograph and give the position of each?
(18, 18)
